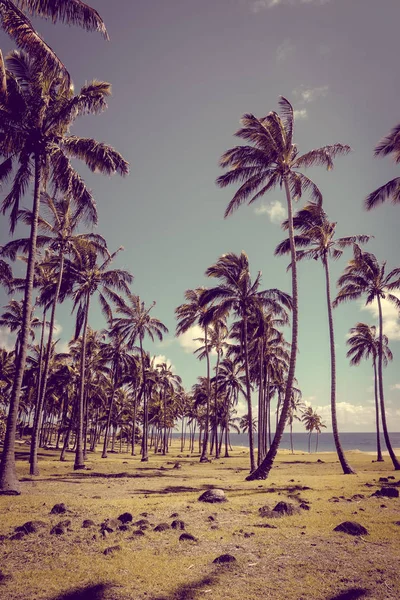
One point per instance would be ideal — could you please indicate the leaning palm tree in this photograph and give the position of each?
(390, 190)
(237, 293)
(364, 343)
(316, 240)
(87, 277)
(36, 113)
(14, 20)
(365, 276)
(135, 323)
(273, 160)
(193, 312)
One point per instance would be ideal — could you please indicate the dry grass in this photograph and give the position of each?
(300, 558)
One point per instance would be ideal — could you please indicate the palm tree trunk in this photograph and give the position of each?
(145, 450)
(347, 470)
(34, 469)
(378, 437)
(216, 407)
(134, 425)
(291, 437)
(165, 423)
(36, 425)
(79, 459)
(261, 413)
(9, 483)
(263, 470)
(392, 455)
(110, 407)
(248, 393)
(204, 454)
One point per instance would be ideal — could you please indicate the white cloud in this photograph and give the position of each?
(284, 50)
(275, 211)
(187, 339)
(396, 386)
(391, 320)
(259, 5)
(307, 94)
(300, 114)
(7, 340)
(161, 358)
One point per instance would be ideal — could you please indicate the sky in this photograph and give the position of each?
(183, 73)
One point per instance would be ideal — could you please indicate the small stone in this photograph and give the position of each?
(224, 558)
(383, 479)
(57, 530)
(304, 506)
(284, 508)
(126, 517)
(31, 526)
(358, 497)
(174, 516)
(214, 495)
(214, 527)
(187, 537)
(352, 528)
(138, 532)
(211, 518)
(111, 524)
(58, 509)
(177, 465)
(66, 523)
(162, 527)
(178, 524)
(123, 527)
(88, 523)
(397, 523)
(388, 492)
(111, 550)
(144, 514)
(320, 461)
(142, 522)
(18, 536)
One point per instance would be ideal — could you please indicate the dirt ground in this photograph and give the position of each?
(297, 557)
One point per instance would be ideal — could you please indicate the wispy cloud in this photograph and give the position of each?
(275, 211)
(308, 94)
(391, 321)
(300, 114)
(259, 5)
(396, 386)
(284, 50)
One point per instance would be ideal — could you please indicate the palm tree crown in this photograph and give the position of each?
(389, 145)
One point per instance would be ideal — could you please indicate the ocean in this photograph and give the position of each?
(364, 442)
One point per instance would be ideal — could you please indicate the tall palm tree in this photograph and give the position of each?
(35, 117)
(312, 421)
(193, 312)
(13, 319)
(6, 276)
(364, 343)
(14, 20)
(88, 277)
(316, 240)
(169, 384)
(365, 276)
(135, 323)
(230, 382)
(296, 405)
(390, 190)
(273, 160)
(237, 293)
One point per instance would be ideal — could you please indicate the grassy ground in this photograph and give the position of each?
(295, 557)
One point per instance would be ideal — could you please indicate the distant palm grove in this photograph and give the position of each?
(108, 392)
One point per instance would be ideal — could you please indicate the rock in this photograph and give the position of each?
(66, 523)
(162, 527)
(214, 527)
(178, 524)
(397, 523)
(123, 527)
(358, 497)
(174, 516)
(266, 526)
(211, 518)
(4, 577)
(247, 535)
(144, 514)
(320, 461)
(138, 532)
(30, 526)
(284, 508)
(126, 517)
(57, 530)
(177, 465)
(265, 511)
(304, 506)
(334, 499)
(352, 528)
(383, 479)
(187, 537)
(388, 492)
(88, 523)
(224, 558)
(58, 509)
(111, 550)
(215, 495)
(18, 536)
(142, 522)
(391, 477)
(111, 525)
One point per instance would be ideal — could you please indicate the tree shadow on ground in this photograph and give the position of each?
(189, 591)
(351, 594)
(89, 592)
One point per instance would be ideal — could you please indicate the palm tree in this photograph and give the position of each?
(364, 275)
(364, 343)
(13, 319)
(273, 160)
(239, 294)
(135, 323)
(189, 314)
(87, 277)
(389, 145)
(169, 384)
(35, 118)
(230, 383)
(15, 22)
(317, 240)
(312, 421)
(296, 404)
(6, 276)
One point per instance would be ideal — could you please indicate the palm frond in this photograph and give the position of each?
(286, 110)
(390, 144)
(98, 157)
(391, 190)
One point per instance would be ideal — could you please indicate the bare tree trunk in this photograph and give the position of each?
(216, 407)
(36, 420)
(379, 457)
(145, 451)
(204, 454)
(79, 460)
(248, 393)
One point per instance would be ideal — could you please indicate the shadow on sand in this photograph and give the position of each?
(351, 594)
(90, 592)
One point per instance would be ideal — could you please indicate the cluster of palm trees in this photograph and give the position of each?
(107, 383)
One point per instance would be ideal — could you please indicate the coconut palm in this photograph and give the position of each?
(86, 278)
(317, 240)
(312, 421)
(169, 384)
(273, 160)
(296, 405)
(36, 113)
(390, 190)
(135, 323)
(189, 314)
(237, 293)
(13, 319)
(365, 276)
(14, 20)
(231, 383)
(6, 276)
(364, 343)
